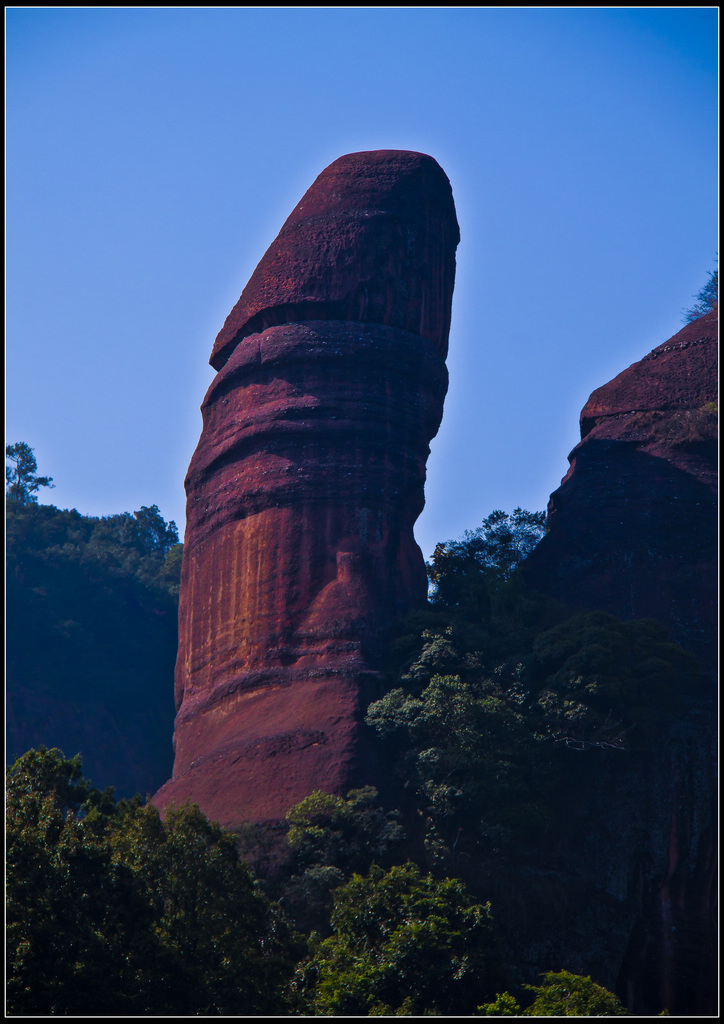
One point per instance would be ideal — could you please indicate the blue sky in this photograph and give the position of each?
(153, 154)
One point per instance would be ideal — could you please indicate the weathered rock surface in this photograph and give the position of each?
(633, 526)
(306, 483)
(373, 240)
(633, 531)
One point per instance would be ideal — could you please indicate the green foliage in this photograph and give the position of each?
(111, 910)
(503, 717)
(482, 723)
(461, 571)
(306, 897)
(403, 943)
(69, 906)
(331, 837)
(48, 774)
(234, 949)
(140, 546)
(707, 298)
(500, 544)
(602, 682)
(510, 724)
(349, 833)
(478, 600)
(570, 995)
(563, 995)
(465, 750)
(92, 636)
(170, 572)
(21, 479)
(504, 1005)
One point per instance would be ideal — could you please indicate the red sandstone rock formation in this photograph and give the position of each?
(372, 241)
(633, 526)
(633, 531)
(306, 483)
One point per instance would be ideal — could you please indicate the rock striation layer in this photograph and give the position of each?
(304, 488)
(372, 241)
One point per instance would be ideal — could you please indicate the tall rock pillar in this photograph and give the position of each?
(305, 485)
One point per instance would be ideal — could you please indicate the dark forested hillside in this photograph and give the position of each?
(91, 639)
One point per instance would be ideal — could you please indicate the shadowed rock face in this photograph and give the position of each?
(306, 483)
(633, 531)
(633, 526)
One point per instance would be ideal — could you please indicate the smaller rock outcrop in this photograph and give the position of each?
(632, 529)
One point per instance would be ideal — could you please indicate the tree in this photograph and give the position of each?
(466, 752)
(111, 910)
(563, 995)
(155, 535)
(20, 477)
(92, 634)
(706, 299)
(504, 1005)
(603, 682)
(499, 544)
(226, 947)
(70, 908)
(462, 572)
(348, 833)
(403, 942)
(570, 995)
(330, 838)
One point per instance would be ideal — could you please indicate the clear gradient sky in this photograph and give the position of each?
(153, 154)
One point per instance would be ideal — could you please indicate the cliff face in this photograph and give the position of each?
(633, 531)
(633, 526)
(306, 483)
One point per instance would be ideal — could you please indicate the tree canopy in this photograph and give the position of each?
(706, 299)
(405, 943)
(112, 910)
(562, 994)
(91, 638)
(461, 571)
(21, 479)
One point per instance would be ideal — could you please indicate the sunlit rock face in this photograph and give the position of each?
(307, 480)
(372, 241)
